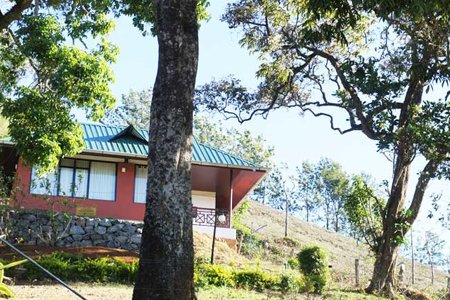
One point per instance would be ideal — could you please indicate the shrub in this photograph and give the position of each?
(293, 263)
(291, 283)
(255, 280)
(313, 262)
(215, 275)
(71, 267)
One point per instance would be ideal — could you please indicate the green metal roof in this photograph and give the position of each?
(128, 141)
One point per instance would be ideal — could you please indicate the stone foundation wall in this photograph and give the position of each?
(39, 228)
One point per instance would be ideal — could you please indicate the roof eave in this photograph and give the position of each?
(7, 143)
(140, 156)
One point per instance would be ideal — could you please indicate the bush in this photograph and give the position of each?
(293, 263)
(71, 267)
(206, 274)
(313, 262)
(255, 280)
(214, 275)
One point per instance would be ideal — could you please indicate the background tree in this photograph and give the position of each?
(430, 250)
(281, 193)
(333, 187)
(307, 191)
(371, 63)
(364, 209)
(134, 109)
(3, 126)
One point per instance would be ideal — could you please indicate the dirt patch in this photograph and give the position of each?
(89, 291)
(88, 251)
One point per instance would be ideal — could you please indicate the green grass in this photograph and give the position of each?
(350, 295)
(223, 293)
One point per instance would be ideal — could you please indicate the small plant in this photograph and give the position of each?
(313, 262)
(5, 291)
(293, 263)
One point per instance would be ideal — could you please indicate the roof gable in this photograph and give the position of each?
(129, 133)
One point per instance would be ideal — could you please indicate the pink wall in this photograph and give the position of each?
(122, 208)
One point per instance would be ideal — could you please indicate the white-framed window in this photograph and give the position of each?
(43, 185)
(140, 184)
(78, 178)
(102, 181)
(73, 178)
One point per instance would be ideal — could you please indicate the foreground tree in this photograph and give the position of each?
(47, 69)
(370, 61)
(166, 262)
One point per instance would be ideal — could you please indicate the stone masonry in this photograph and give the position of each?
(39, 228)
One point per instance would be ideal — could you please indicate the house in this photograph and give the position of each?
(108, 179)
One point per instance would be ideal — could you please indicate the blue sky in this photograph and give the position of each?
(295, 137)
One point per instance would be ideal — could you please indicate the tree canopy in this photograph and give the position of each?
(376, 67)
(55, 57)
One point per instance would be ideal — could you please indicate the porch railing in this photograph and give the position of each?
(206, 216)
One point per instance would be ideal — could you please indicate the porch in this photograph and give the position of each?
(203, 220)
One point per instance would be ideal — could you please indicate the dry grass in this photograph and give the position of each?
(343, 250)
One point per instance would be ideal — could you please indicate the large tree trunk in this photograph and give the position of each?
(166, 258)
(383, 280)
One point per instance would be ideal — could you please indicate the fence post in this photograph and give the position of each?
(357, 272)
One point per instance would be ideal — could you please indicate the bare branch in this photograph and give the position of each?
(330, 117)
(365, 127)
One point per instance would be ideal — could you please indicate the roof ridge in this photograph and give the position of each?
(102, 125)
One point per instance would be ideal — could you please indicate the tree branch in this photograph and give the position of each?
(330, 117)
(14, 14)
(422, 183)
(365, 128)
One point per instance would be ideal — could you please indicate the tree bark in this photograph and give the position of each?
(383, 280)
(166, 259)
(395, 223)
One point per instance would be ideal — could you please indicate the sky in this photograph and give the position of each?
(295, 137)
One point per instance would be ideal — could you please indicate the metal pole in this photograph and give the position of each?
(413, 264)
(286, 218)
(42, 268)
(214, 237)
(251, 241)
(231, 197)
(357, 272)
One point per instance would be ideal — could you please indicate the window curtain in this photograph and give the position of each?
(45, 185)
(102, 181)
(140, 184)
(65, 182)
(81, 183)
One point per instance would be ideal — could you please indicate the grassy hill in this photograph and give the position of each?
(342, 250)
